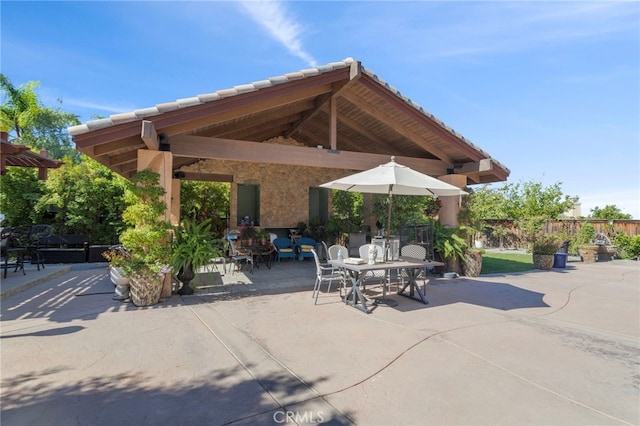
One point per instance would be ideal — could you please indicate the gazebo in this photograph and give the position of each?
(276, 140)
(22, 156)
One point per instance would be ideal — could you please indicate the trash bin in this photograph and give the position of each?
(560, 260)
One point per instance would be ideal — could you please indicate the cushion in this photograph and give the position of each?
(285, 250)
(305, 247)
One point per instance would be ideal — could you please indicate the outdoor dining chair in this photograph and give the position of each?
(284, 249)
(416, 252)
(239, 260)
(325, 274)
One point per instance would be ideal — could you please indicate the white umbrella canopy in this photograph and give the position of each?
(393, 179)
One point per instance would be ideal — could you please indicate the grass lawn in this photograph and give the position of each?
(500, 263)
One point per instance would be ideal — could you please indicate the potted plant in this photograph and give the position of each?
(247, 234)
(262, 236)
(117, 256)
(193, 246)
(472, 262)
(543, 249)
(583, 242)
(449, 245)
(146, 239)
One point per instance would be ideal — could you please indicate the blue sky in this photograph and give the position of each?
(549, 89)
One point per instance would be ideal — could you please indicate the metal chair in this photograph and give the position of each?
(325, 274)
(238, 258)
(414, 251)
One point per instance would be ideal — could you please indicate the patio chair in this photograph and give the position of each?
(416, 252)
(284, 249)
(325, 274)
(379, 276)
(240, 260)
(334, 249)
(304, 246)
(355, 241)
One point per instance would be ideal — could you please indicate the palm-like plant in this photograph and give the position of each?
(193, 246)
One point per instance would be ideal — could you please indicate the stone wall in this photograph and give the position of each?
(284, 190)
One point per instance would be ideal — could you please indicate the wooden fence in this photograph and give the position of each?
(511, 236)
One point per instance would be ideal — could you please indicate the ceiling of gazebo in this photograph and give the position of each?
(357, 120)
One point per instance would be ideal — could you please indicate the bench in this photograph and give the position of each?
(68, 248)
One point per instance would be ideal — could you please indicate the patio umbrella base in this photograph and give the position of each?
(385, 302)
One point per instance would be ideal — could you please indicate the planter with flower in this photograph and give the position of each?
(117, 255)
(432, 207)
(543, 248)
(147, 239)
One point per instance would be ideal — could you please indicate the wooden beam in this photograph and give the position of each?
(431, 123)
(333, 123)
(401, 130)
(257, 152)
(149, 135)
(355, 72)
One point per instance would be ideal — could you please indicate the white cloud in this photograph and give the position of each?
(274, 17)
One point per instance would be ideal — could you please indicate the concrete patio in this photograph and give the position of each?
(558, 347)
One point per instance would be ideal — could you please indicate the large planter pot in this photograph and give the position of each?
(186, 275)
(589, 254)
(472, 264)
(121, 282)
(543, 261)
(145, 288)
(117, 276)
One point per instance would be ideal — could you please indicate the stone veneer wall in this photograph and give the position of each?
(284, 189)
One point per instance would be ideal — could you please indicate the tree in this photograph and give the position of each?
(610, 212)
(30, 123)
(21, 190)
(85, 198)
(200, 201)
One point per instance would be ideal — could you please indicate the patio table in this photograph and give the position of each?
(356, 273)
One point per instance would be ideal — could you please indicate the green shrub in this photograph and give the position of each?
(545, 244)
(628, 247)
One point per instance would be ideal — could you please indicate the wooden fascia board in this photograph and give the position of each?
(170, 122)
(108, 134)
(389, 121)
(189, 119)
(257, 152)
(420, 117)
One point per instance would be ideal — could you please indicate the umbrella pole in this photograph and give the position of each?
(386, 250)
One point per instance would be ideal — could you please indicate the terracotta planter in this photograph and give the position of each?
(543, 261)
(472, 264)
(589, 254)
(145, 289)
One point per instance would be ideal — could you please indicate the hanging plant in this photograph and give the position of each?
(433, 205)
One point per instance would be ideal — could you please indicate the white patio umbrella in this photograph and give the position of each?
(393, 179)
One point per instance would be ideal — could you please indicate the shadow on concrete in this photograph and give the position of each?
(59, 331)
(217, 398)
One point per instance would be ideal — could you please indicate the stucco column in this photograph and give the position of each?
(451, 205)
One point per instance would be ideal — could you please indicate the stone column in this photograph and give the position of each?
(451, 205)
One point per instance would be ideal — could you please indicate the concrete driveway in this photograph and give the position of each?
(559, 347)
